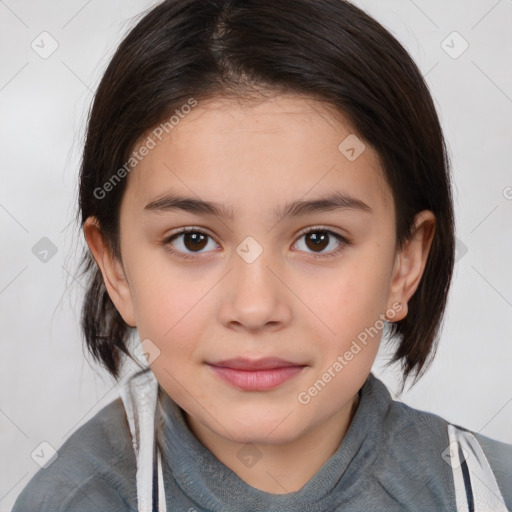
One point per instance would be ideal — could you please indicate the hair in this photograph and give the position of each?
(328, 50)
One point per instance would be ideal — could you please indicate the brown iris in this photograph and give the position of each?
(194, 241)
(319, 240)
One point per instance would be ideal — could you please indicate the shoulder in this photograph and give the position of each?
(425, 435)
(422, 428)
(499, 456)
(407, 451)
(94, 469)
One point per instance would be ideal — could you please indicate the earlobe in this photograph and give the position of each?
(410, 262)
(111, 269)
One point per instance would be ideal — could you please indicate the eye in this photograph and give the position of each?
(317, 239)
(187, 242)
(190, 241)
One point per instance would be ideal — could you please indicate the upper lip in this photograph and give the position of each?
(266, 363)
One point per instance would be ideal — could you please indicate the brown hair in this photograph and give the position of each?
(327, 49)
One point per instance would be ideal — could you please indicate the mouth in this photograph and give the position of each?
(256, 374)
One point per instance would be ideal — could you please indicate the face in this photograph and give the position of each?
(264, 319)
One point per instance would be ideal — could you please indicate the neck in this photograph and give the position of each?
(282, 468)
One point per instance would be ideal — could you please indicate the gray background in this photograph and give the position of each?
(49, 388)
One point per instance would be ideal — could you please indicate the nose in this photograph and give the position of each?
(254, 296)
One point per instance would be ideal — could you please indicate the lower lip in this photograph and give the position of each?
(256, 380)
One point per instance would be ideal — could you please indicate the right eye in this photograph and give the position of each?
(188, 239)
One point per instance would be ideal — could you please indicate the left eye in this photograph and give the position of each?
(319, 239)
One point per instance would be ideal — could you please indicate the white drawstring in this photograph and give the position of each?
(139, 395)
(482, 489)
(162, 506)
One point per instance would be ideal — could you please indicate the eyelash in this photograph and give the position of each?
(314, 229)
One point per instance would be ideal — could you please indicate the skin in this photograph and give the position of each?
(254, 158)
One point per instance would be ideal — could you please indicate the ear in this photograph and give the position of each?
(112, 270)
(410, 262)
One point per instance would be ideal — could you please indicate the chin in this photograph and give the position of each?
(260, 428)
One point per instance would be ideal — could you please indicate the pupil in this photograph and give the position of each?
(319, 240)
(196, 238)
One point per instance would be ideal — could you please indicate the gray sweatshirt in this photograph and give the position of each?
(392, 458)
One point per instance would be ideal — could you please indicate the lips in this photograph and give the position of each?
(267, 363)
(256, 374)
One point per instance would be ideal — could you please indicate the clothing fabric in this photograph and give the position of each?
(138, 454)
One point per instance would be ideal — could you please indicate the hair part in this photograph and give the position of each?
(329, 50)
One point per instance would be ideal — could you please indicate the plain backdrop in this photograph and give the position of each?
(49, 387)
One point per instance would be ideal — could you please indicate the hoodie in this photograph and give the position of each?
(138, 454)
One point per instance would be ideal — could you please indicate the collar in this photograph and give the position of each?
(213, 486)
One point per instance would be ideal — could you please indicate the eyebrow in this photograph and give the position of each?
(333, 201)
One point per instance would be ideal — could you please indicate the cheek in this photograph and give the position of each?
(175, 322)
(171, 313)
(172, 317)
(347, 341)
(350, 298)
(164, 294)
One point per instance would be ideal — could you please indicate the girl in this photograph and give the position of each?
(264, 189)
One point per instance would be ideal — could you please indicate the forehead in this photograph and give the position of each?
(250, 156)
